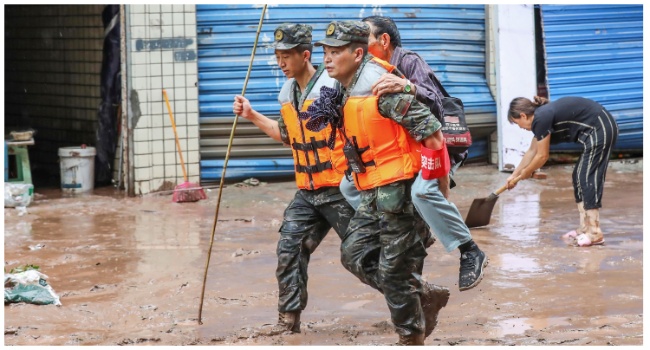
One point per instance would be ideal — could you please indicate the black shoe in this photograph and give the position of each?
(433, 299)
(472, 263)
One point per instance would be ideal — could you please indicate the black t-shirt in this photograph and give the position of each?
(565, 119)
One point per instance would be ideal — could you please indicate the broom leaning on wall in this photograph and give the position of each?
(187, 191)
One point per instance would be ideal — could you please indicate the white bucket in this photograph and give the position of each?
(77, 169)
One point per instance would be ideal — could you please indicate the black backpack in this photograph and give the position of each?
(454, 125)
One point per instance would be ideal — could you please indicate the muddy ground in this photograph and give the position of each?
(129, 270)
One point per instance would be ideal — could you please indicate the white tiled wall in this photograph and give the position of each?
(158, 36)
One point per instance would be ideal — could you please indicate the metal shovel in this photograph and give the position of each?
(481, 210)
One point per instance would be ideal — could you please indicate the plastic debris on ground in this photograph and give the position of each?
(250, 182)
(29, 287)
(18, 195)
(36, 246)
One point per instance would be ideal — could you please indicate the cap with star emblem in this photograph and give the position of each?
(340, 33)
(289, 35)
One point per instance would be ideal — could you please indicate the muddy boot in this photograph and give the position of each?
(291, 320)
(288, 322)
(433, 299)
(413, 339)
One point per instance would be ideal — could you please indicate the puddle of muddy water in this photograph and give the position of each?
(518, 218)
(518, 263)
(355, 305)
(110, 257)
(518, 326)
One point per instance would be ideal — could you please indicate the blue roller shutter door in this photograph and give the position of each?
(451, 38)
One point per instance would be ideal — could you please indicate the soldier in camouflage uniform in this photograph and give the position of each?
(429, 198)
(383, 245)
(318, 204)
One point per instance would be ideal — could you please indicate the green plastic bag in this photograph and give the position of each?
(29, 287)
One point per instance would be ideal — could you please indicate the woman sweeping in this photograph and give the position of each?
(569, 119)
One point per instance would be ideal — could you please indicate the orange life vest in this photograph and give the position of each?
(315, 164)
(388, 151)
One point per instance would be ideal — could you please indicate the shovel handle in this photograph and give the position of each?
(505, 187)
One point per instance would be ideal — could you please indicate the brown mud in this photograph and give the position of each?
(129, 270)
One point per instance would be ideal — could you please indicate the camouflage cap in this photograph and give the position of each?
(289, 35)
(341, 33)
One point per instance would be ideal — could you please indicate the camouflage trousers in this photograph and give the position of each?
(307, 220)
(383, 247)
